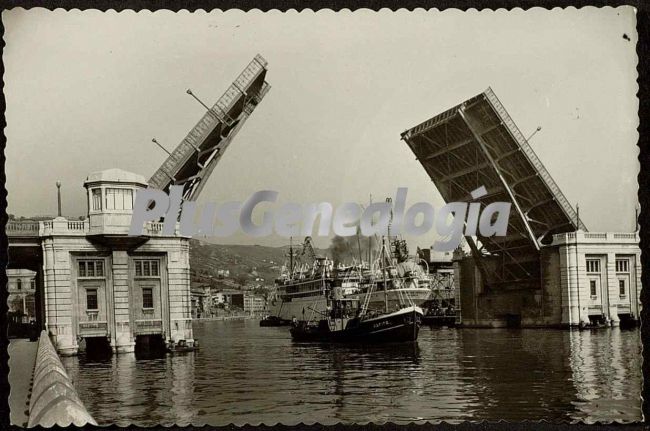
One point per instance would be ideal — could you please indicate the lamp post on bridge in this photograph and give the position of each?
(533, 134)
(58, 195)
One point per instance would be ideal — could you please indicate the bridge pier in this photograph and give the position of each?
(122, 338)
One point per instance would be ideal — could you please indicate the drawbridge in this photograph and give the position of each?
(474, 144)
(194, 159)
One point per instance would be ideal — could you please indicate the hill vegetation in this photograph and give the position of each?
(251, 265)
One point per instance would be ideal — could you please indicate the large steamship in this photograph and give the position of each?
(302, 289)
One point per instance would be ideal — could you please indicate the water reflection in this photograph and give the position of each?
(126, 391)
(607, 375)
(522, 372)
(246, 374)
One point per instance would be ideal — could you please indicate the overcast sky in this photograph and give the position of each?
(87, 91)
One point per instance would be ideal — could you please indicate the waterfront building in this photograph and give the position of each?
(254, 304)
(201, 300)
(99, 284)
(218, 298)
(230, 297)
(587, 278)
(21, 288)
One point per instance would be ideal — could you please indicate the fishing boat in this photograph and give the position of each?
(349, 319)
(400, 326)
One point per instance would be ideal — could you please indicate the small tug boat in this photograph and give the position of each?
(347, 320)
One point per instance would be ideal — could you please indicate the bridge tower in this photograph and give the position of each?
(97, 284)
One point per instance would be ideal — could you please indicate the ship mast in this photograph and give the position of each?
(388, 257)
(370, 244)
(383, 271)
(291, 256)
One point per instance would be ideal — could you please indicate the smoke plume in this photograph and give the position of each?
(352, 248)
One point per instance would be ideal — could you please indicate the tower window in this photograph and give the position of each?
(91, 299)
(91, 268)
(622, 265)
(593, 265)
(97, 199)
(119, 199)
(622, 291)
(147, 297)
(146, 268)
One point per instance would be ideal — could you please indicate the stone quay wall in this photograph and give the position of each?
(54, 399)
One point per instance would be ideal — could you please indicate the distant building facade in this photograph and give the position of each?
(21, 287)
(254, 304)
(587, 277)
(230, 298)
(201, 304)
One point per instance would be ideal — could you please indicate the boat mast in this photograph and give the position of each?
(388, 257)
(383, 271)
(370, 244)
(359, 246)
(291, 256)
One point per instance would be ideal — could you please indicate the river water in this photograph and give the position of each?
(245, 374)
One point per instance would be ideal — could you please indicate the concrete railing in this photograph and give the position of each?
(596, 237)
(62, 226)
(54, 400)
(22, 227)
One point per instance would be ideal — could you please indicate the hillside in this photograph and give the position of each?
(245, 262)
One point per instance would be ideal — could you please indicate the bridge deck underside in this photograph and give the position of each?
(193, 160)
(477, 144)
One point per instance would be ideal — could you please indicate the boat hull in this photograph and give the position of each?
(274, 321)
(439, 320)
